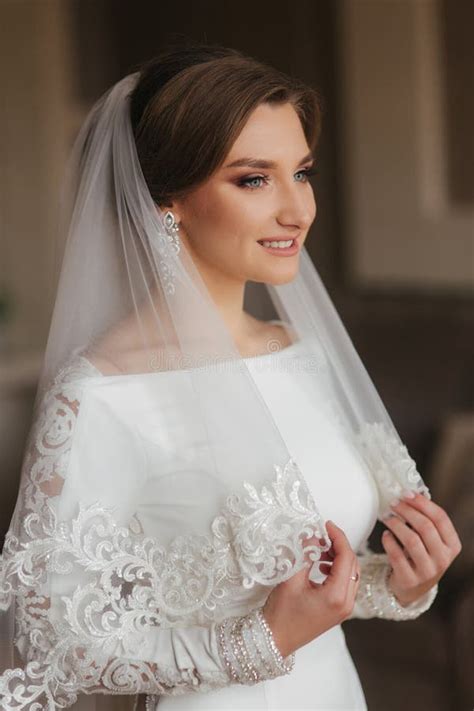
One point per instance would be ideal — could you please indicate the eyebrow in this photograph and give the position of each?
(264, 164)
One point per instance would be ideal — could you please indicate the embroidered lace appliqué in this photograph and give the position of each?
(394, 473)
(131, 584)
(86, 642)
(391, 466)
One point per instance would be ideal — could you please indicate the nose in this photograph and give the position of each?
(296, 206)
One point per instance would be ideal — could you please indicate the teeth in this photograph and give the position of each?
(287, 243)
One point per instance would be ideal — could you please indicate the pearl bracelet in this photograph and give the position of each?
(248, 650)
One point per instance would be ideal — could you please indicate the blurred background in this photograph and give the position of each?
(393, 238)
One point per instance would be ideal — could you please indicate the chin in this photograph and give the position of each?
(275, 277)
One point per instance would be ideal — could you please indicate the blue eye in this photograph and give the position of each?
(247, 182)
(308, 172)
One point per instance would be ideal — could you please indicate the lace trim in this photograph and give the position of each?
(133, 585)
(138, 585)
(390, 464)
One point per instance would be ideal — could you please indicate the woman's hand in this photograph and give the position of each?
(298, 609)
(427, 548)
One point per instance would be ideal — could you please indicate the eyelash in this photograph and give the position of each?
(243, 182)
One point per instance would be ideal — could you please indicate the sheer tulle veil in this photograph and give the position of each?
(128, 293)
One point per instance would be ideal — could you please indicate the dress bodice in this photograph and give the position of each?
(154, 453)
(138, 552)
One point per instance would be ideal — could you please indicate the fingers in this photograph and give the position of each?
(341, 568)
(440, 520)
(397, 556)
(352, 586)
(316, 569)
(409, 539)
(423, 528)
(423, 525)
(312, 550)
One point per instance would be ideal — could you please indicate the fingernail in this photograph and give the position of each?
(408, 495)
(394, 502)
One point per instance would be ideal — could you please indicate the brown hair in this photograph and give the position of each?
(192, 101)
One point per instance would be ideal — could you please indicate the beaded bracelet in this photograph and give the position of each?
(248, 650)
(413, 609)
(376, 597)
(284, 667)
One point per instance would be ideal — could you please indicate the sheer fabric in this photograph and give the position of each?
(159, 495)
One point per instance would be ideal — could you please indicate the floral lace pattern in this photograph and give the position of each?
(131, 585)
(390, 464)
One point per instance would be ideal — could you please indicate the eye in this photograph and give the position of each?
(307, 172)
(247, 182)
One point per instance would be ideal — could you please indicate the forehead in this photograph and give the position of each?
(270, 128)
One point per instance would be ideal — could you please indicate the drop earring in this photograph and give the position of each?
(172, 230)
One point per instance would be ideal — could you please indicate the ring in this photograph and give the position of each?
(355, 577)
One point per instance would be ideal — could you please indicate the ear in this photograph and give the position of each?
(174, 208)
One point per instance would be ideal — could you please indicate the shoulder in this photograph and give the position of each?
(101, 363)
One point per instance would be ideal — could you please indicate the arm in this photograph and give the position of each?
(84, 583)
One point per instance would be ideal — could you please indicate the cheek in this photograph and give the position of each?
(212, 209)
(311, 205)
(215, 227)
(231, 216)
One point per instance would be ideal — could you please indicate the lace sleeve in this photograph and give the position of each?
(82, 585)
(375, 598)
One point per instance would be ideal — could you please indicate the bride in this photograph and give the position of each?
(200, 480)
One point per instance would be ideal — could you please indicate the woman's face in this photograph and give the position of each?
(224, 220)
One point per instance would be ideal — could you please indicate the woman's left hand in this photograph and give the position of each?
(427, 548)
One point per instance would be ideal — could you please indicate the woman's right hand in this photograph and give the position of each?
(298, 609)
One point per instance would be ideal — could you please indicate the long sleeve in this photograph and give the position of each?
(79, 578)
(375, 598)
(393, 471)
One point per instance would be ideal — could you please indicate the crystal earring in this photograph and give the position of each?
(172, 230)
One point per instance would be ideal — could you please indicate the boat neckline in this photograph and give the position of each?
(247, 359)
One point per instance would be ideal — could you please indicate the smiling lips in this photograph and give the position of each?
(280, 247)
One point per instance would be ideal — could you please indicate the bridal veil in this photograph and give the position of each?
(77, 571)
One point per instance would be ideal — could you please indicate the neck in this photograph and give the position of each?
(228, 296)
(227, 293)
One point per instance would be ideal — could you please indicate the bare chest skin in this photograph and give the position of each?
(268, 338)
(261, 338)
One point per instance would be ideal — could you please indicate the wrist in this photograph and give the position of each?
(277, 634)
(403, 600)
(409, 610)
(248, 649)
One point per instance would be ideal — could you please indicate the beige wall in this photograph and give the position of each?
(35, 128)
(403, 229)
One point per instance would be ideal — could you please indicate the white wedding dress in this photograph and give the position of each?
(324, 676)
(119, 440)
